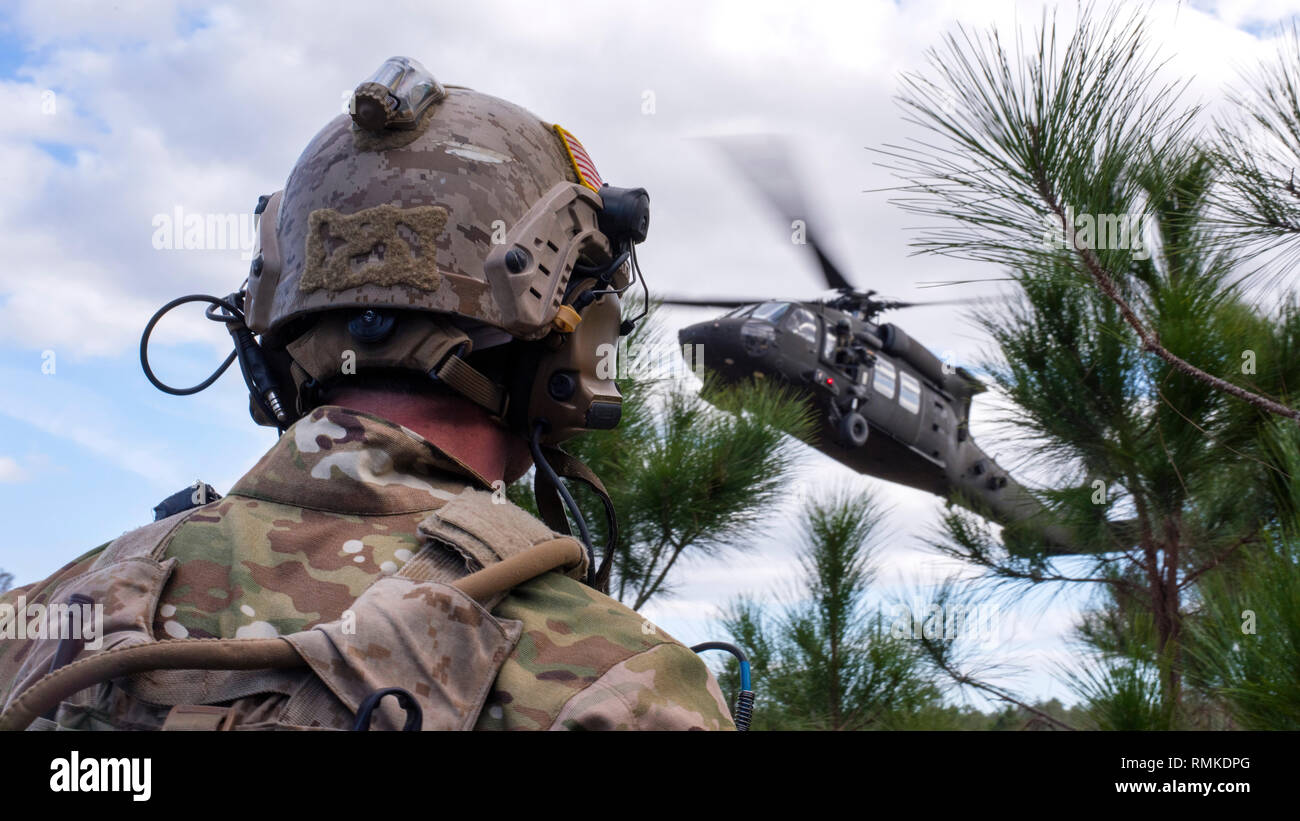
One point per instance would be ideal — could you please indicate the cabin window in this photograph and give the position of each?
(909, 392)
(770, 311)
(743, 310)
(884, 380)
(802, 324)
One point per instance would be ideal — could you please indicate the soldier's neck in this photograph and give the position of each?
(458, 427)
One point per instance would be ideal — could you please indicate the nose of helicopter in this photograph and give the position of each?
(716, 343)
(693, 334)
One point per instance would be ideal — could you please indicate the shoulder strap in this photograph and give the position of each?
(483, 528)
(148, 542)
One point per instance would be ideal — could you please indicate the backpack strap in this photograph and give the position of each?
(483, 529)
(148, 542)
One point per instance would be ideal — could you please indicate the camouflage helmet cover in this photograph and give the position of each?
(423, 219)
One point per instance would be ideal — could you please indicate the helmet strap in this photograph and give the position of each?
(472, 384)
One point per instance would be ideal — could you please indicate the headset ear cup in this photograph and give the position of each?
(264, 271)
(573, 387)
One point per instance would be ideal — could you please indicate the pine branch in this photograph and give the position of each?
(997, 692)
(1216, 561)
(1150, 342)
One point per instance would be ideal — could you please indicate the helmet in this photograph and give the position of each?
(434, 222)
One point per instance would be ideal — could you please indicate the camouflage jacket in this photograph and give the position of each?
(336, 505)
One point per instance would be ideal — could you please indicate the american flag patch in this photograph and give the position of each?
(581, 160)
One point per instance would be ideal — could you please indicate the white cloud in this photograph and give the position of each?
(11, 471)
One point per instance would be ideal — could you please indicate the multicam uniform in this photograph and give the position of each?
(345, 499)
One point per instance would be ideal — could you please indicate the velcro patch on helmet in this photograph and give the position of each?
(581, 160)
(384, 245)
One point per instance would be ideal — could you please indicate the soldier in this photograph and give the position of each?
(431, 289)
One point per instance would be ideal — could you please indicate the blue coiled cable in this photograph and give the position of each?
(745, 700)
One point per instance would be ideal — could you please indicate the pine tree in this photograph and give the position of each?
(1138, 372)
(823, 662)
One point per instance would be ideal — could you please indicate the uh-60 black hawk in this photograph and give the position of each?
(889, 407)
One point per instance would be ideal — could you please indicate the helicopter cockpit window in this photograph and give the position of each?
(802, 324)
(743, 310)
(771, 311)
(885, 378)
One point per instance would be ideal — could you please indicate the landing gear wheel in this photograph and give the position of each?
(853, 430)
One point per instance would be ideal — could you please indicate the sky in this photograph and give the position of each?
(119, 113)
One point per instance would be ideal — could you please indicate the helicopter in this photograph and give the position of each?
(888, 407)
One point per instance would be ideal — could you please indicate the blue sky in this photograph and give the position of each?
(161, 106)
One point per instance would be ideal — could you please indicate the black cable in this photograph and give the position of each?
(227, 305)
(256, 395)
(602, 272)
(645, 288)
(535, 443)
(252, 365)
(611, 525)
(234, 315)
(721, 645)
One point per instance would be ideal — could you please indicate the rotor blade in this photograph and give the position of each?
(764, 161)
(834, 279)
(971, 300)
(708, 303)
